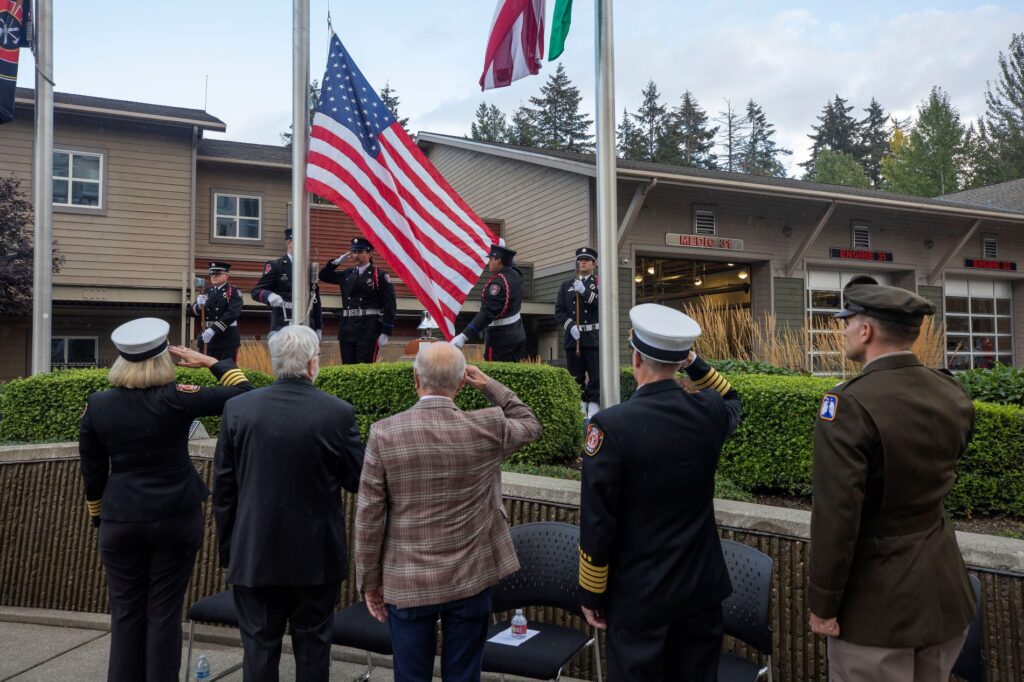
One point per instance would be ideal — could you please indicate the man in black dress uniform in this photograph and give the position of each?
(576, 312)
(367, 303)
(651, 565)
(275, 289)
(498, 320)
(223, 304)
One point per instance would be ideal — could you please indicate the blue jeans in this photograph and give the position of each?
(463, 632)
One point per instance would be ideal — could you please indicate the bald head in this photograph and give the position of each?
(439, 369)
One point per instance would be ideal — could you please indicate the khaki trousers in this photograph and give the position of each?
(848, 662)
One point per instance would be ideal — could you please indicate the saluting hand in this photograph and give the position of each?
(342, 258)
(187, 357)
(475, 377)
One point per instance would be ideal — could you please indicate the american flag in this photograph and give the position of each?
(361, 160)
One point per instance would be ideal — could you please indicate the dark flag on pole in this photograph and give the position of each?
(14, 21)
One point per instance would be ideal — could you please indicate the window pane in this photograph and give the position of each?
(85, 193)
(57, 351)
(60, 164)
(826, 363)
(825, 299)
(1006, 360)
(1002, 306)
(984, 343)
(956, 304)
(1004, 344)
(984, 361)
(86, 167)
(82, 351)
(226, 205)
(958, 324)
(959, 361)
(957, 343)
(822, 321)
(1003, 325)
(60, 191)
(250, 208)
(248, 228)
(983, 325)
(225, 227)
(982, 306)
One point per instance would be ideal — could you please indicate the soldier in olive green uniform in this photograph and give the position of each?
(887, 582)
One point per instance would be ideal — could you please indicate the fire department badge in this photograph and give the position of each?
(188, 388)
(494, 290)
(594, 440)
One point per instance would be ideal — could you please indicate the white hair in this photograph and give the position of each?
(440, 368)
(291, 349)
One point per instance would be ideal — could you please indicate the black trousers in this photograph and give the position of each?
(684, 651)
(505, 353)
(226, 353)
(148, 568)
(584, 369)
(357, 337)
(263, 613)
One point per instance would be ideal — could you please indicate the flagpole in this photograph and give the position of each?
(607, 213)
(42, 191)
(300, 140)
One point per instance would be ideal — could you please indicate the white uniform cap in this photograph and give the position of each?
(662, 333)
(141, 339)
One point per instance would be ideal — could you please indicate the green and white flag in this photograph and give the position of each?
(559, 28)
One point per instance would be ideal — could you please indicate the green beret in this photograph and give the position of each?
(891, 304)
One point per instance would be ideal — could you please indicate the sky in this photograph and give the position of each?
(789, 56)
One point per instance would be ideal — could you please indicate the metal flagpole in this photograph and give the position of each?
(607, 243)
(42, 190)
(300, 140)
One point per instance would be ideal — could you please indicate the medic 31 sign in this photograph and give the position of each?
(700, 241)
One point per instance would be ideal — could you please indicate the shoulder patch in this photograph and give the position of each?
(494, 290)
(594, 439)
(829, 407)
(268, 267)
(188, 388)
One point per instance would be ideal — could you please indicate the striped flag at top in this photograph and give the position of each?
(515, 45)
(361, 160)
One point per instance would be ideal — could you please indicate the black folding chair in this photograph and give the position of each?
(548, 576)
(218, 609)
(354, 627)
(745, 612)
(970, 665)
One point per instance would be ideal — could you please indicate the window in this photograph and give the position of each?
(73, 351)
(824, 298)
(989, 247)
(236, 216)
(77, 179)
(861, 237)
(704, 221)
(979, 324)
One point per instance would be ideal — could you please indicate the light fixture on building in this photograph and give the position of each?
(730, 264)
(742, 274)
(639, 278)
(650, 269)
(697, 282)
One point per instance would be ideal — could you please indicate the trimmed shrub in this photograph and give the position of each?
(47, 407)
(1001, 384)
(381, 390)
(750, 367)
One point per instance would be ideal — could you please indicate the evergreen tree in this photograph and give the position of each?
(1004, 115)
(523, 130)
(557, 117)
(931, 162)
(982, 164)
(391, 101)
(874, 141)
(16, 252)
(693, 142)
(314, 101)
(835, 168)
(490, 124)
(897, 175)
(651, 122)
(836, 130)
(734, 131)
(758, 152)
(630, 142)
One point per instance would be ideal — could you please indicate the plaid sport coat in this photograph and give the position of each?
(430, 523)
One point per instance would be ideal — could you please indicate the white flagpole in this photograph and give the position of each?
(300, 141)
(42, 190)
(607, 242)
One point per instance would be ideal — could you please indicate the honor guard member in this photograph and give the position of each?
(651, 569)
(498, 320)
(367, 303)
(888, 585)
(576, 312)
(222, 304)
(275, 289)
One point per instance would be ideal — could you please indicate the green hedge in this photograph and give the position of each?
(47, 407)
(1001, 384)
(381, 390)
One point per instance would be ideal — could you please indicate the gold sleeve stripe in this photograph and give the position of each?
(597, 576)
(713, 381)
(232, 377)
(703, 382)
(93, 507)
(597, 587)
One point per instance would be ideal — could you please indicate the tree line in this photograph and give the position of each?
(930, 154)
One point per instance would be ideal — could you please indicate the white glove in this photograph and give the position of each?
(275, 300)
(382, 340)
(319, 334)
(201, 299)
(578, 286)
(208, 336)
(460, 340)
(342, 258)
(574, 332)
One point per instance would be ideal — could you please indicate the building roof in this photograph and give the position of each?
(116, 108)
(246, 153)
(585, 164)
(1008, 195)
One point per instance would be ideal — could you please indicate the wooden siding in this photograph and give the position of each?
(789, 302)
(545, 212)
(140, 236)
(934, 294)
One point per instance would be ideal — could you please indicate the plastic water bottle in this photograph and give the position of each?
(519, 626)
(202, 669)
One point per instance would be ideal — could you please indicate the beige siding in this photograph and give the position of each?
(140, 236)
(546, 212)
(15, 348)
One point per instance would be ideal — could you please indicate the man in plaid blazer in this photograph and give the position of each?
(431, 531)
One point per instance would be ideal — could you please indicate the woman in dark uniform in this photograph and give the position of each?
(145, 495)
